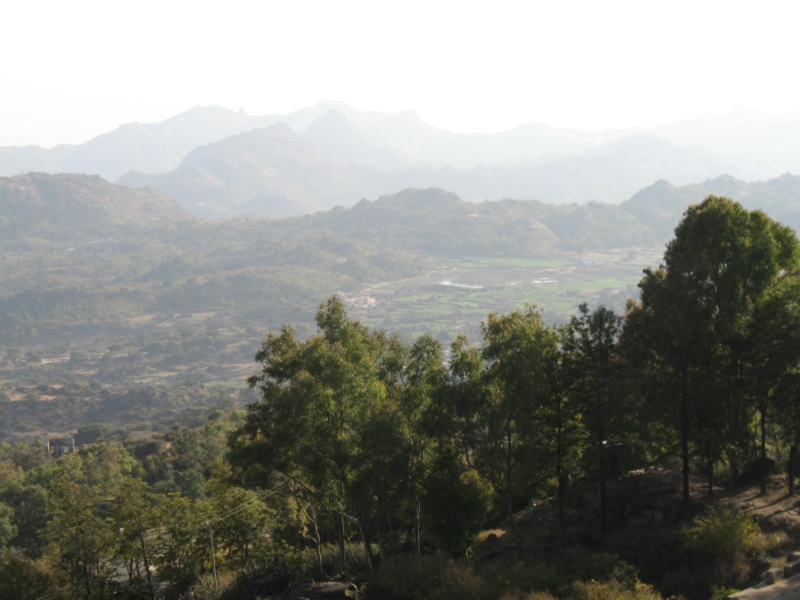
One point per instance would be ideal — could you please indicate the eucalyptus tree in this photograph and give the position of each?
(134, 513)
(558, 442)
(498, 392)
(82, 540)
(318, 398)
(592, 345)
(454, 502)
(664, 338)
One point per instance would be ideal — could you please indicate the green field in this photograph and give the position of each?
(427, 305)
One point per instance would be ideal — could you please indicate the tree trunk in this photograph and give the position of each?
(792, 453)
(733, 464)
(562, 485)
(559, 467)
(147, 566)
(603, 522)
(367, 546)
(342, 555)
(685, 435)
(710, 471)
(763, 415)
(510, 496)
(417, 532)
(311, 514)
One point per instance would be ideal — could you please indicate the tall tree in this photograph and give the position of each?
(595, 361)
(319, 399)
(499, 420)
(698, 312)
(560, 431)
(134, 514)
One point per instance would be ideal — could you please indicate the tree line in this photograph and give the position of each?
(396, 437)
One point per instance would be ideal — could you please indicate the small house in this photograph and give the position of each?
(58, 447)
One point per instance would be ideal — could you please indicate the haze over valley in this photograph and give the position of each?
(383, 301)
(221, 164)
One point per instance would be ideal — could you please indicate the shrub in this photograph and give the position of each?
(600, 566)
(427, 578)
(614, 590)
(722, 533)
(407, 578)
(538, 578)
(24, 579)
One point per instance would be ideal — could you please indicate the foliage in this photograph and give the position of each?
(722, 533)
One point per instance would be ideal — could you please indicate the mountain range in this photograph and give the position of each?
(70, 207)
(210, 160)
(276, 172)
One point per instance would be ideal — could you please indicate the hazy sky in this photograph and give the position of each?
(72, 70)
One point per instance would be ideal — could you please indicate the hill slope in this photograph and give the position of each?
(77, 207)
(268, 171)
(661, 205)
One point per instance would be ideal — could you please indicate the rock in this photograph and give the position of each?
(490, 539)
(329, 590)
(792, 568)
(773, 576)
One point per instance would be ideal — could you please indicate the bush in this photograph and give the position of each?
(520, 579)
(600, 566)
(722, 533)
(614, 590)
(24, 579)
(427, 578)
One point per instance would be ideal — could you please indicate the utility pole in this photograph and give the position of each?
(213, 562)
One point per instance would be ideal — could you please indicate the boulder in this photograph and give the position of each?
(792, 568)
(773, 576)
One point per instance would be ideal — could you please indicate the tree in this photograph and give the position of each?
(665, 337)
(560, 431)
(500, 417)
(83, 542)
(772, 353)
(318, 399)
(783, 335)
(135, 515)
(698, 312)
(184, 546)
(595, 363)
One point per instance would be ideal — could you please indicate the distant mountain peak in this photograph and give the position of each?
(336, 136)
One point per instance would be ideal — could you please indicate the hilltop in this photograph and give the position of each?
(659, 206)
(78, 207)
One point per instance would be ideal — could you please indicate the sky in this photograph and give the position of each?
(72, 70)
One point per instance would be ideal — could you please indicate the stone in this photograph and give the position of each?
(773, 575)
(792, 568)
